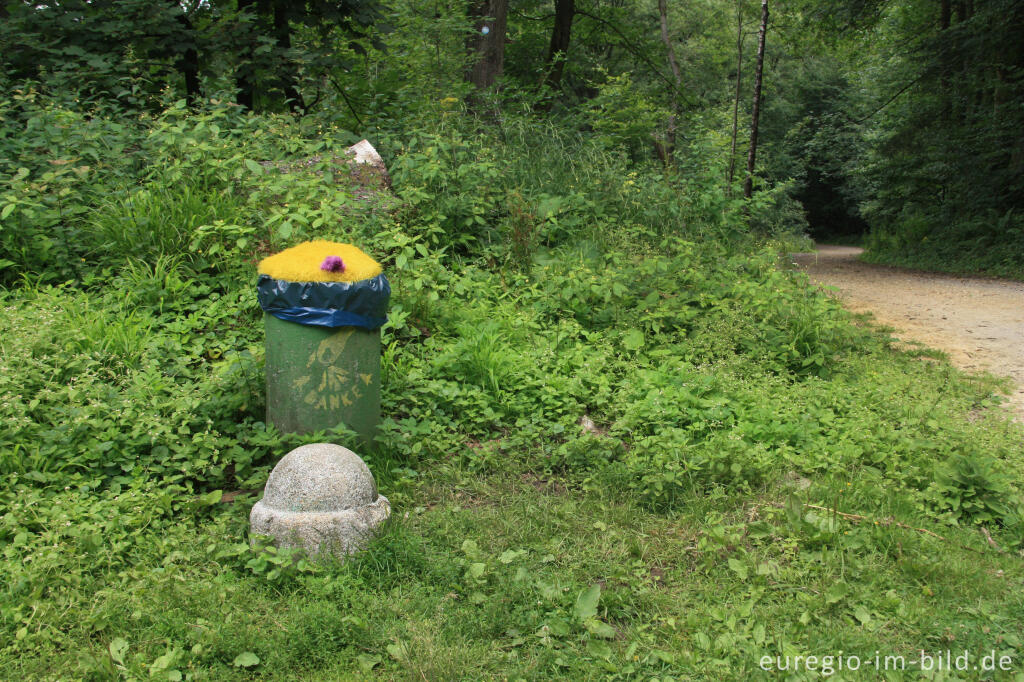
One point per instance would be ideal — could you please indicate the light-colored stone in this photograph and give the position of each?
(363, 153)
(322, 498)
(361, 167)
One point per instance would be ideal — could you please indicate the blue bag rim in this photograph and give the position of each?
(326, 304)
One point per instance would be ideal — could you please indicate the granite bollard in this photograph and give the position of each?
(321, 498)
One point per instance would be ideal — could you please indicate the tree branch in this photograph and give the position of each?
(888, 101)
(341, 91)
(628, 45)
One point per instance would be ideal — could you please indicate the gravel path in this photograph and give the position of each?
(978, 322)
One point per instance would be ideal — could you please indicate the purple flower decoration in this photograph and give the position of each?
(333, 264)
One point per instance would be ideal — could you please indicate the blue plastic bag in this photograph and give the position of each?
(327, 304)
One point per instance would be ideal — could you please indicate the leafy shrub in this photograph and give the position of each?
(973, 489)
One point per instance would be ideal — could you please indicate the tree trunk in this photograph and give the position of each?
(246, 96)
(748, 185)
(736, 99)
(189, 63)
(945, 15)
(487, 43)
(565, 11)
(283, 35)
(670, 135)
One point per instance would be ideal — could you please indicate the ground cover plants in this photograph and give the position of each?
(622, 439)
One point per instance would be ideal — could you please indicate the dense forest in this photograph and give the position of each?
(622, 436)
(898, 121)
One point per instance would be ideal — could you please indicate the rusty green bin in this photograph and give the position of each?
(324, 303)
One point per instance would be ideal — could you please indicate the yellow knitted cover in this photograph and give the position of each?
(302, 263)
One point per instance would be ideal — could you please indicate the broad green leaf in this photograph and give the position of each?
(548, 591)
(118, 648)
(836, 592)
(596, 647)
(7, 210)
(163, 663)
(246, 659)
(558, 627)
(600, 629)
(586, 603)
(633, 340)
(366, 662)
(211, 498)
(254, 167)
(738, 567)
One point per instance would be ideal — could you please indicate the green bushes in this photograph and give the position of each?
(565, 327)
(613, 309)
(159, 222)
(991, 244)
(93, 391)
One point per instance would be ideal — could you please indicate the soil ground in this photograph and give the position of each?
(978, 322)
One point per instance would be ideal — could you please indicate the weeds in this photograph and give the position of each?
(712, 507)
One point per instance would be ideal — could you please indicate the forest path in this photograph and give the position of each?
(978, 322)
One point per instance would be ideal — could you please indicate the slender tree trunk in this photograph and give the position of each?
(565, 12)
(670, 134)
(190, 63)
(487, 43)
(736, 99)
(748, 185)
(190, 68)
(246, 96)
(283, 34)
(945, 15)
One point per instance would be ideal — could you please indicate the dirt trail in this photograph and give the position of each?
(978, 322)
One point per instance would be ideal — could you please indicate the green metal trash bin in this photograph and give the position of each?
(324, 304)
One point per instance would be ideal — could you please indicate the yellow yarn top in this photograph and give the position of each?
(302, 263)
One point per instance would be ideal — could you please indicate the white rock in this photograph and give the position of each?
(322, 498)
(362, 152)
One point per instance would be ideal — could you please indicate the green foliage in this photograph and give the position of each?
(992, 244)
(904, 129)
(620, 115)
(150, 223)
(974, 489)
(451, 189)
(110, 50)
(610, 418)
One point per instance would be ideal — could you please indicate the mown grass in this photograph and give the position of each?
(704, 593)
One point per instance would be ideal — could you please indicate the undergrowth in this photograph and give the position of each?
(616, 437)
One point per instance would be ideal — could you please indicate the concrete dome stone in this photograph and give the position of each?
(322, 498)
(321, 477)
